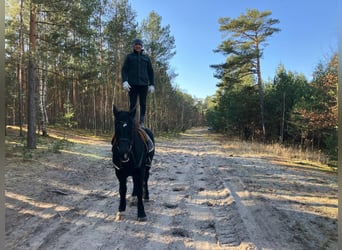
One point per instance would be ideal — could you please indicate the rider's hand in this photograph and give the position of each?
(126, 86)
(151, 89)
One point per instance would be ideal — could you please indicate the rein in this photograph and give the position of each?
(134, 161)
(130, 152)
(125, 140)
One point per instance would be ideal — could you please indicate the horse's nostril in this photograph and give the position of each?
(125, 158)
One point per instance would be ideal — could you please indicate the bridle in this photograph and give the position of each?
(121, 141)
(129, 151)
(128, 155)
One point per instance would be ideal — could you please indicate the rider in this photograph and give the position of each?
(138, 78)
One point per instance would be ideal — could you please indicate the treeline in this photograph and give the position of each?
(67, 55)
(296, 110)
(63, 62)
(288, 109)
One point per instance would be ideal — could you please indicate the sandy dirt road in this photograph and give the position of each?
(203, 196)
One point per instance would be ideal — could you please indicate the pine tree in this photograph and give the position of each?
(247, 37)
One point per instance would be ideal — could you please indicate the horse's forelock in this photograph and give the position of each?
(123, 118)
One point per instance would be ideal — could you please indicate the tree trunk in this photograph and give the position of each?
(31, 107)
(42, 104)
(95, 108)
(282, 119)
(31, 89)
(20, 69)
(261, 95)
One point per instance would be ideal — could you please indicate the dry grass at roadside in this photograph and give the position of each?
(295, 155)
(59, 138)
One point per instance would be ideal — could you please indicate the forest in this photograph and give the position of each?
(77, 65)
(63, 68)
(288, 109)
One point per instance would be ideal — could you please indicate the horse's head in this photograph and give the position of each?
(124, 128)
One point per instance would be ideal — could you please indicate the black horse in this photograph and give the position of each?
(131, 156)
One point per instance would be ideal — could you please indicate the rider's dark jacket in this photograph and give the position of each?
(137, 70)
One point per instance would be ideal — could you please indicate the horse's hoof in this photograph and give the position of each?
(119, 216)
(142, 218)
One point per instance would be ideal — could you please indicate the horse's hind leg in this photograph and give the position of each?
(134, 192)
(133, 200)
(138, 182)
(145, 184)
(146, 195)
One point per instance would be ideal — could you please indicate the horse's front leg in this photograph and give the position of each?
(138, 183)
(122, 191)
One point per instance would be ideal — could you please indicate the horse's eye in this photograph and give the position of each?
(124, 125)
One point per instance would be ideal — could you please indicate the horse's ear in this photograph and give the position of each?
(115, 110)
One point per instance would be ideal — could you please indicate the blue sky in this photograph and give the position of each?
(308, 36)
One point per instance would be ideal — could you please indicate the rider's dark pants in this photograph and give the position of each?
(134, 93)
